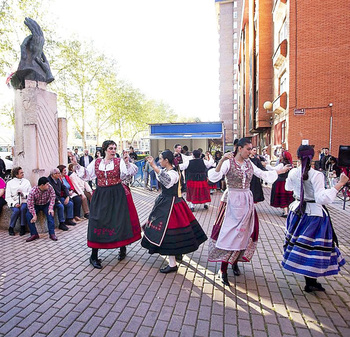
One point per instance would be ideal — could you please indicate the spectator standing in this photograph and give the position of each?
(82, 188)
(76, 154)
(84, 161)
(17, 191)
(41, 198)
(132, 154)
(147, 168)
(266, 156)
(185, 150)
(63, 202)
(323, 161)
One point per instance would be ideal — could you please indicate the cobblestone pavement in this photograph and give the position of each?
(49, 289)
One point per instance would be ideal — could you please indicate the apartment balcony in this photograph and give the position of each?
(279, 9)
(280, 54)
(280, 103)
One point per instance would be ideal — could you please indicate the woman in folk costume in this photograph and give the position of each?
(235, 232)
(113, 220)
(198, 191)
(171, 228)
(280, 198)
(311, 245)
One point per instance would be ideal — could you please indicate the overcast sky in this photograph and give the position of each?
(167, 49)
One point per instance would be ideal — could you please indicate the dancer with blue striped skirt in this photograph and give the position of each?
(311, 245)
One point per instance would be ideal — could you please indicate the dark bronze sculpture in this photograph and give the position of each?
(33, 64)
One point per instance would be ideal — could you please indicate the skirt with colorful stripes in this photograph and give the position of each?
(310, 247)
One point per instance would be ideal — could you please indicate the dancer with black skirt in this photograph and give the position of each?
(113, 220)
(171, 228)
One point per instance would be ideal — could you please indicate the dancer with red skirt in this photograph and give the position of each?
(113, 220)
(171, 228)
(198, 190)
(280, 198)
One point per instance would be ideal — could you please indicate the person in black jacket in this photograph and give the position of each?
(62, 201)
(255, 184)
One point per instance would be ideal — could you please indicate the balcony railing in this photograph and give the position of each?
(280, 103)
(280, 54)
(278, 8)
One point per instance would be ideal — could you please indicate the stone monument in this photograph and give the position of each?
(40, 136)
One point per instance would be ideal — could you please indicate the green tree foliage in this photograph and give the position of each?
(13, 30)
(79, 71)
(90, 93)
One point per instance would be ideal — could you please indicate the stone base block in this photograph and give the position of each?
(41, 224)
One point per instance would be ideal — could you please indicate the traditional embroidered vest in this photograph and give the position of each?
(108, 178)
(239, 176)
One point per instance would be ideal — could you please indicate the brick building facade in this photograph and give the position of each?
(296, 55)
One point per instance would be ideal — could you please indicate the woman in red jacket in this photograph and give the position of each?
(76, 199)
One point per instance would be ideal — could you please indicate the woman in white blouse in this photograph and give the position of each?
(311, 245)
(235, 232)
(171, 228)
(113, 220)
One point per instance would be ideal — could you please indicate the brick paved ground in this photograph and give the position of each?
(49, 289)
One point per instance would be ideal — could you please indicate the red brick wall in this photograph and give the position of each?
(319, 49)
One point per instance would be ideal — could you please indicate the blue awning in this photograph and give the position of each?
(185, 136)
(201, 130)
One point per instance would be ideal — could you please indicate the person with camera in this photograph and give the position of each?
(17, 191)
(311, 245)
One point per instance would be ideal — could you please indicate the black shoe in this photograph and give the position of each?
(70, 222)
(22, 231)
(178, 258)
(96, 263)
(315, 287)
(206, 207)
(11, 231)
(122, 253)
(168, 269)
(32, 238)
(284, 215)
(86, 216)
(63, 226)
(236, 270)
(192, 209)
(53, 237)
(224, 279)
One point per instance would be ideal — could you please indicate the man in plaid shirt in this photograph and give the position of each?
(41, 198)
